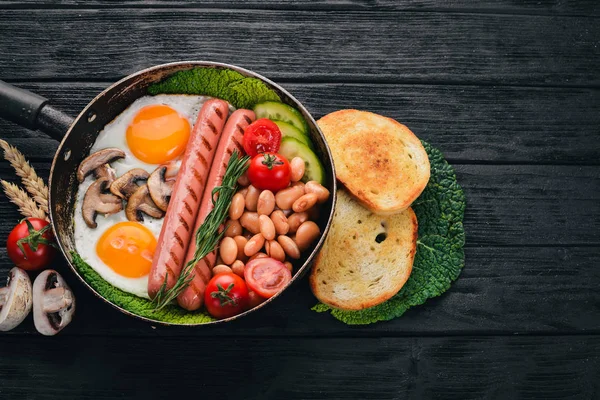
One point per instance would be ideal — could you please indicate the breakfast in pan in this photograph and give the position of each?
(167, 207)
(178, 174)
(193, 193)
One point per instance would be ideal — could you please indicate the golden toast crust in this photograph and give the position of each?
(380, 161)
(353, 271)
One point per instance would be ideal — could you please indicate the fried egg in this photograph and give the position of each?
(153, 130)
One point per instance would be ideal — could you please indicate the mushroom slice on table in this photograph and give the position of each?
(141, 203)
(53, 303)
(15, 299)
(126, 184)
(95, 162)
(160, 184)
(98, 199)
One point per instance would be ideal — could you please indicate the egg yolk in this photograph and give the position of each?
(127, 248)
(157, 134)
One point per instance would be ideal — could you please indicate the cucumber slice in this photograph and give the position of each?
(289, 130)
(275, 110)
(291, 148)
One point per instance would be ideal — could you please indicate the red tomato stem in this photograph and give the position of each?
(223, 295)
(35, 238)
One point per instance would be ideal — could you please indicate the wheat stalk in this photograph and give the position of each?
(18, 196)
(32, 182)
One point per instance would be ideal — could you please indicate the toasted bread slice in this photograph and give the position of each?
(366, 258)
(380, 161)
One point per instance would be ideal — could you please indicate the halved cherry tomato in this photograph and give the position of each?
(226, 295)
(269, 171)
(266, 276)
(30, 244)
(261, 136)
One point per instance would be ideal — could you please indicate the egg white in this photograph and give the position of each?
(114, 135)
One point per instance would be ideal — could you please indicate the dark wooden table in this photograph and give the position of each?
(508, 90)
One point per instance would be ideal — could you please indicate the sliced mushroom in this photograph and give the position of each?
(126, 184)
(141, 203)
(97, 160)
(160, 184)
(15, 299)
(97, 199)
(54, 303)
(105, 171)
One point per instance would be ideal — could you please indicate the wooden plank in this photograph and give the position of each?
(385, 46)
(502, 290)
(506, 205)
(279, 368)
(534, 205)
(580, 8)
(469, 123)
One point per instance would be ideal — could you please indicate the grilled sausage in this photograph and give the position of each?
(185, 199)
(233, 134)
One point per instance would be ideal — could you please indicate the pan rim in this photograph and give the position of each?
(192, 64)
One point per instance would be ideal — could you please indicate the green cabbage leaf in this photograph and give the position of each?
(440, 255)
(134, 304)
(226, 84)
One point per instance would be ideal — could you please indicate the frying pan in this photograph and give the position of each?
(77, 136)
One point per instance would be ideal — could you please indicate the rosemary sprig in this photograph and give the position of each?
(207, 237)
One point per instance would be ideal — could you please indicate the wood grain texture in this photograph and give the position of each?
(279, 368)
(553, 7)
(535, 205)
(502, 290)
(382, 46)
(469, 123)
(506, 205)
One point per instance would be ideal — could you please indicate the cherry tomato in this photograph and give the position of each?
(261, 136)
(266, 276)
(30, 244)
(269, 171)
(226, 295)
(255, 299)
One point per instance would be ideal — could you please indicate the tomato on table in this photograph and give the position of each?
(226, 295)
(261, 136)
(269, 171)
(266, 276)
(30, 244)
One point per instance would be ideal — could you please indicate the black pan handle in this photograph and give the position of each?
(32, 111)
